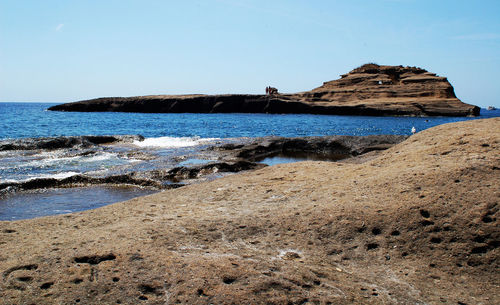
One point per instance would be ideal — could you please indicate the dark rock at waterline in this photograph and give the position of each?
(158, 179)
(83, 180)
(49, 143)
(368, 90)
(326, 147)
(182, 172)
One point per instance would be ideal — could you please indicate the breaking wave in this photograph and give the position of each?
(60, 175)
(174, 142)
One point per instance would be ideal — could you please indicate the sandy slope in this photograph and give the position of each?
(416, 225)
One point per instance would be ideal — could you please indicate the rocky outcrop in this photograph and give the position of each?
(396, 89)
(82, 180)
(156, 179)
(316, 148)
(368, 90)
(50, 143)
(180, 173)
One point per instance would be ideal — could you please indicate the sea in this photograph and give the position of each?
(173, 138)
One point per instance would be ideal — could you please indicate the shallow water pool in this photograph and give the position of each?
(291, 157)
(31, 204)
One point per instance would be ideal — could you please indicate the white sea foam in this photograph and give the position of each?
(8, 180)
(62, 211)
(173, 142)
(54, 160)
(49, 162)
(132, 160)
(99, 157)
(61, 175)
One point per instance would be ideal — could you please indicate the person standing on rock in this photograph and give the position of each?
(267, 90)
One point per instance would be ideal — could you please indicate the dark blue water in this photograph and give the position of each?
(21, 120)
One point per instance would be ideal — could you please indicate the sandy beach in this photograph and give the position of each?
(418, 224)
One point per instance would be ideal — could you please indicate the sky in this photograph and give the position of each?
(63, 51)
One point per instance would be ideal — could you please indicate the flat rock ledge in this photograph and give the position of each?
(370, 90)
(327, 148)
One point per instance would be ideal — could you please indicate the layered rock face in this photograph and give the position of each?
(368, 90)
(393, 89)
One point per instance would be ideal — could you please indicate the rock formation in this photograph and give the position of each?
(395, 89)
(368, 90)
(50, 143)
(330, 148)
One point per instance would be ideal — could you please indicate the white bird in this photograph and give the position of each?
(413, 130)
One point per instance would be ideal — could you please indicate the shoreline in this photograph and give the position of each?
(405, 227)
(210, 162)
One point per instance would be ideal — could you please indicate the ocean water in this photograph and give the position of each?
(171, 140)
(23, 120)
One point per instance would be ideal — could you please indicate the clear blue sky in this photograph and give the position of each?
(61, 51)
